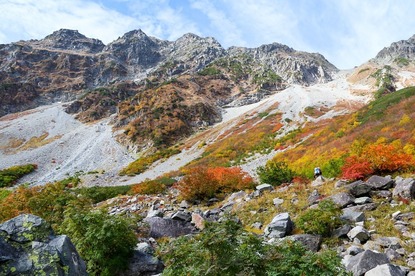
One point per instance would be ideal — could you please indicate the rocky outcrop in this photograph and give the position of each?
(403, 49)
(28, 246)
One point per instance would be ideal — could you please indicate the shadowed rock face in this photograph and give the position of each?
(28, 246)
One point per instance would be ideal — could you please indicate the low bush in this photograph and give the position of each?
(9, 176)
(321, 220)
(98, 194)
(227, 249)
(106, 242)
(275, 173)
(152, 187)
(203, 183)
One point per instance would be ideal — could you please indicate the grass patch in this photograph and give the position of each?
(143, 163)
(99, 194)
(9, 176)
(377, 108)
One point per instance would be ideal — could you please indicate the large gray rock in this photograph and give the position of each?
(342, 199)
(405, 188)
(165, 227)
(310, 242)
(28, 246)
(379, 182)
(264, 187)
(143, 262)
(365, 261)
(349, 214)
(280, 226)
(386, 270)
(359, 233)
(358, 188)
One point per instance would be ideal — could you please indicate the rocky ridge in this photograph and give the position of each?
(65, 64)
(398, 51)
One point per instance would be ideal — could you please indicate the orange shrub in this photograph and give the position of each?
(202, 183)
(148, 188)
(377, 158)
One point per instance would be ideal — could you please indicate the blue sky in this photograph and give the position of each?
(346, 32)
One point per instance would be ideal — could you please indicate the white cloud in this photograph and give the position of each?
(34, 19)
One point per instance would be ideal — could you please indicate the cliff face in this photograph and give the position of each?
(400, 51)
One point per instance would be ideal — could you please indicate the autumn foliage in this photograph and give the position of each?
(377, 158)
(203, 183)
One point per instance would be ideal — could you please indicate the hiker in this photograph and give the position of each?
(317, 172)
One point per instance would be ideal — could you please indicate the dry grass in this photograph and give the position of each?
(36, 142)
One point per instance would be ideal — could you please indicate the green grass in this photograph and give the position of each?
(376, 109)
(9, 176)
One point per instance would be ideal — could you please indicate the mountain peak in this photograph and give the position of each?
(66, 39)
(400, 49)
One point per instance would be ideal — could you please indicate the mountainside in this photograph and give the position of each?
(144, 97)
(151, 140)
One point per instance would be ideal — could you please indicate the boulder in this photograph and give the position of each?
(264, 187)
(182, 216)
(365, 261)
(358, 188)
(349, 214)
(143, 262)
(165, 227)
(405, 188)
(342, 231)
(359, 233)
(363, 200)
(198, 221)
(310, 242)
(342, 199)
(28, 246)
(380, 183)
(277, 201)
(314, 197)
(318, 181)
(386, 270)
(280, 226)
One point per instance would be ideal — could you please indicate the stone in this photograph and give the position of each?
(386, 270)
(256, 225)
(389, 242)
(354, 250)
(198, 221)
(351, 215)
(380, 183)
(318, 181)
(342, 199)
(363, 200)
(28, 246)
(381, 194)
(342, 231)
(183, 216)
(310, 242)
(314, 197)
(280, 226)
(278, 201)
(165, 227)
(358, 188)
(392, 254)
(365, 261)
(143, 262)
(405, 188)
(184, 204)
(237, 195)
(264, 187)
(340, 183)
(359, 233)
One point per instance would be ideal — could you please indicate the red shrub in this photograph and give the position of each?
(204, 183)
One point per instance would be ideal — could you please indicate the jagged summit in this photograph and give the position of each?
(66, 39)
(401, 49)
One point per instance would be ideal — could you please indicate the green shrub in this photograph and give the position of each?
(227, 249)
(98, 194)
(321, 220)
(275, 173)
(105, 242)
(9, 176)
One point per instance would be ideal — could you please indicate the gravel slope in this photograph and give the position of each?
(91, 147)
